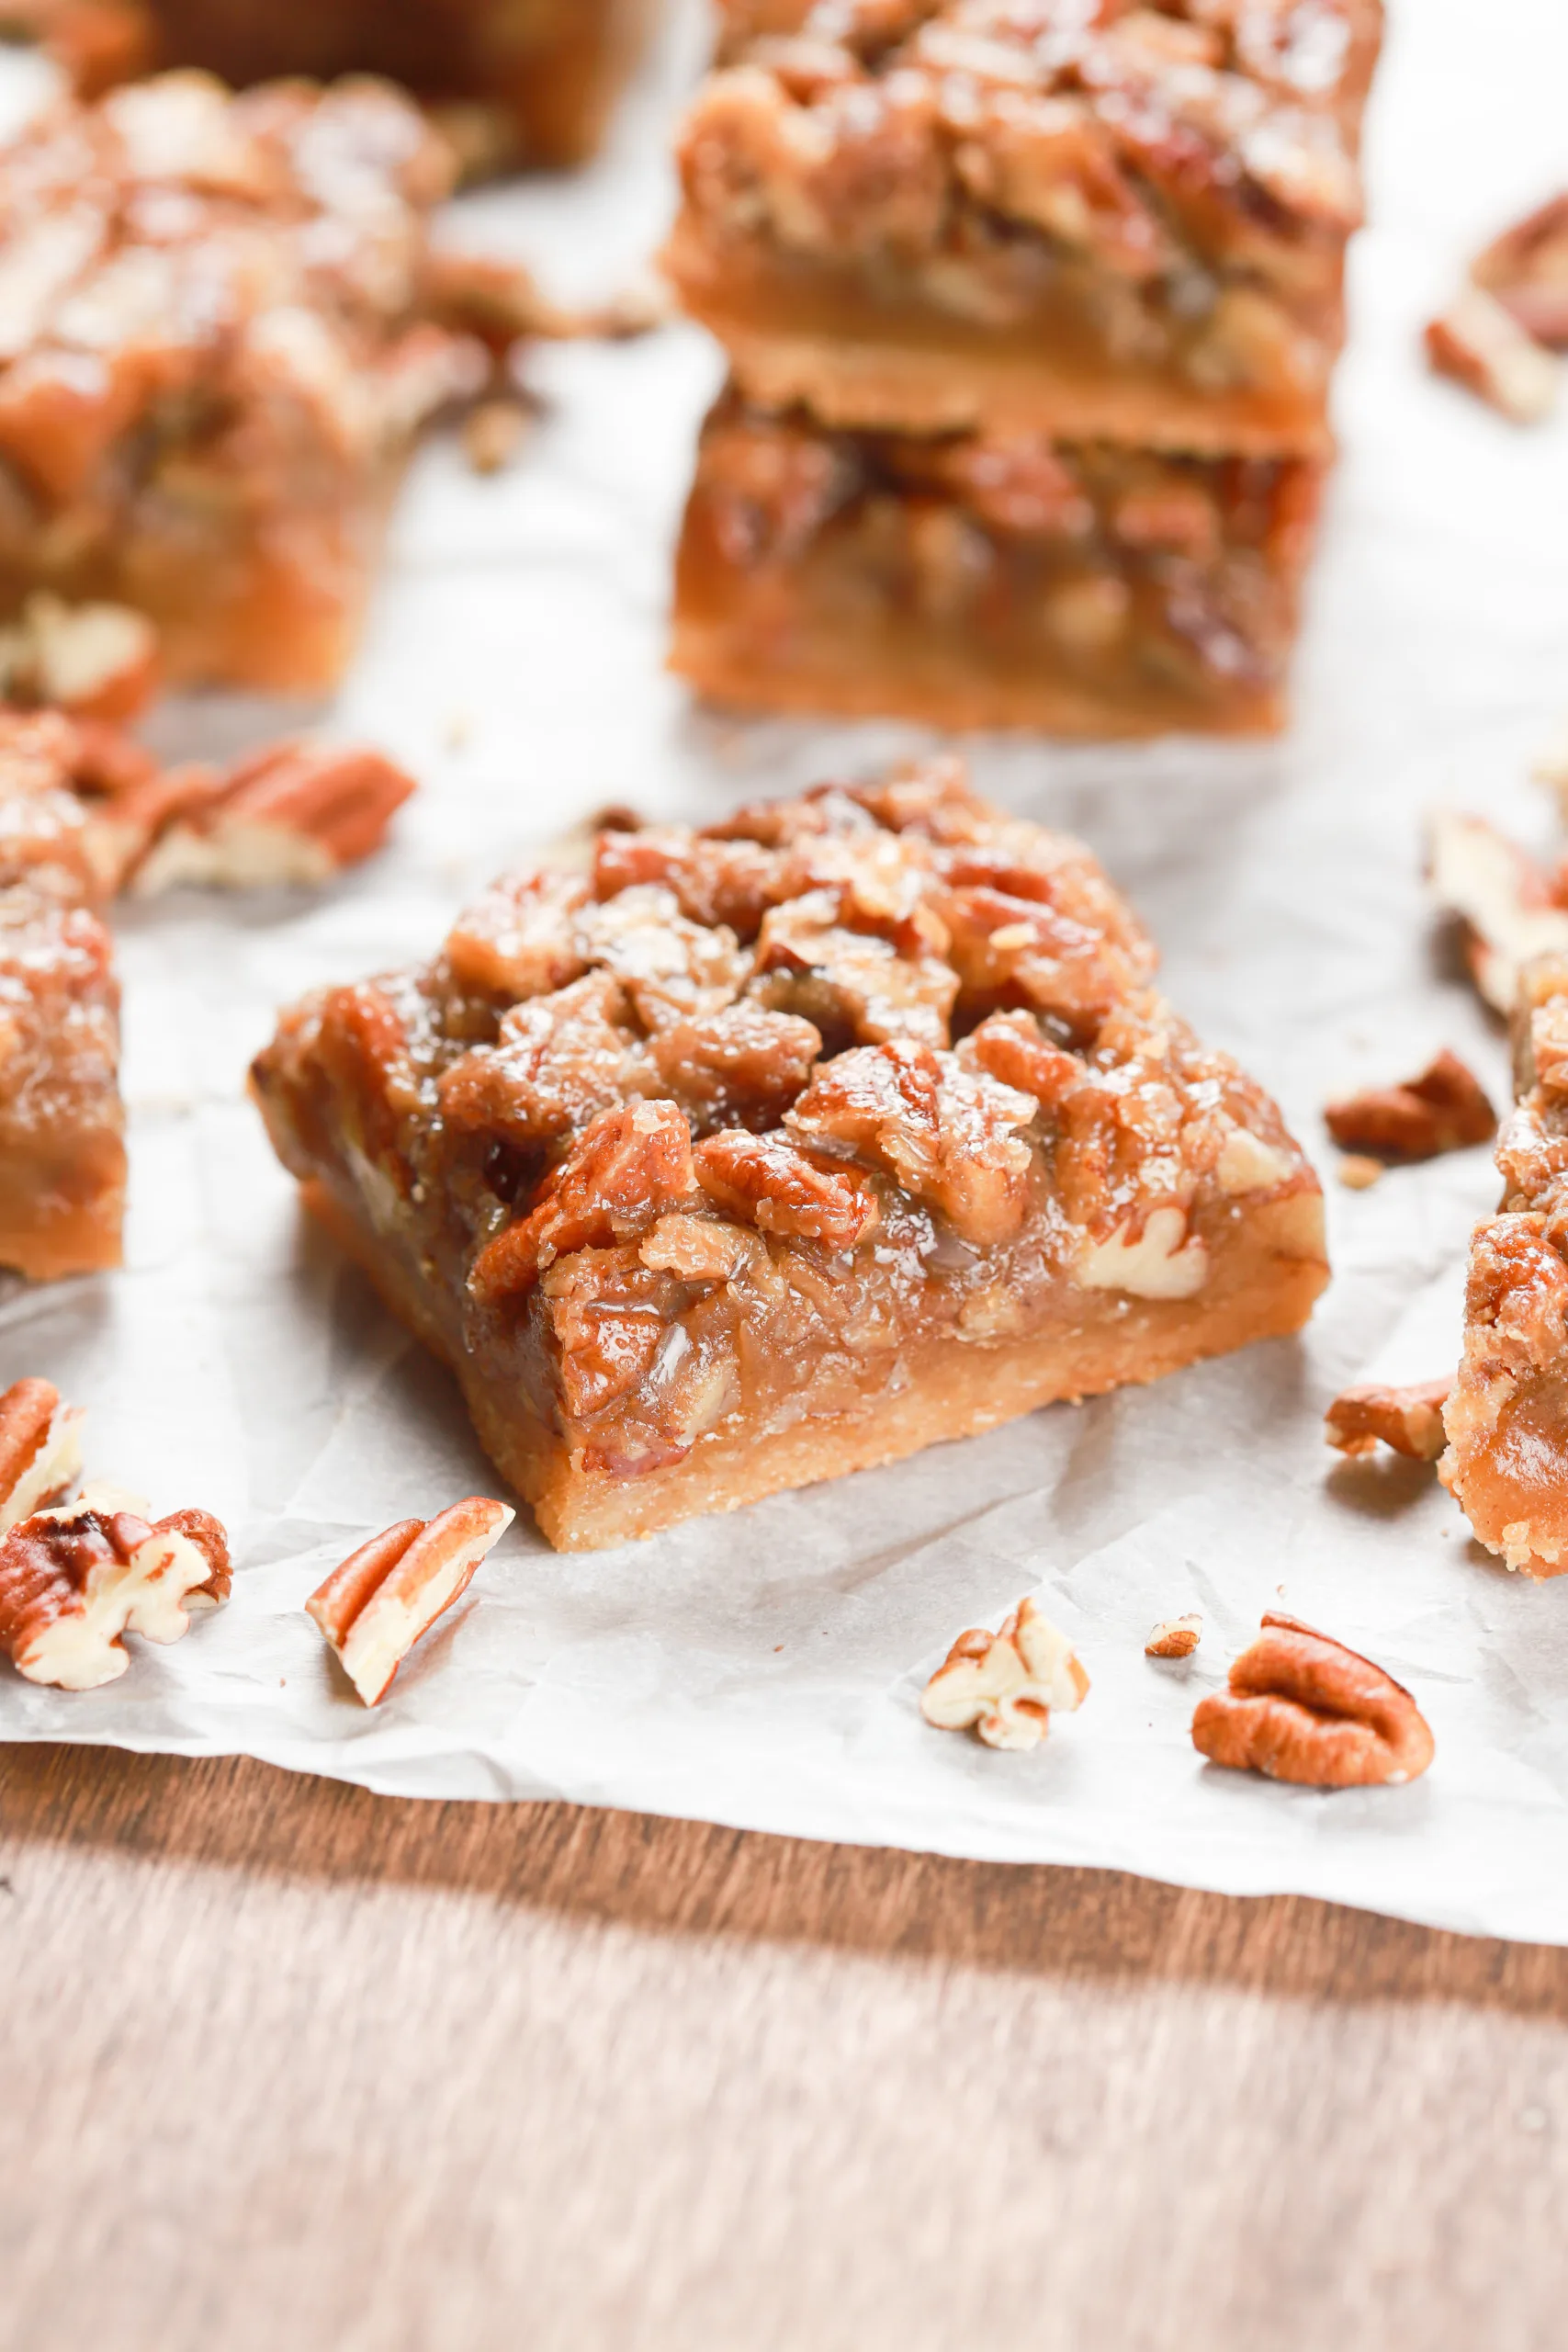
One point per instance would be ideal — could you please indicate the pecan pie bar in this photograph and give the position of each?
(528, 80)
(1077, 217)
(980, 581)
(213, 361)
(1506, 1415)
(61, 1127)
(790, 1146)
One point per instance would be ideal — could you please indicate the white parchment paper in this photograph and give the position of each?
(765, 1669)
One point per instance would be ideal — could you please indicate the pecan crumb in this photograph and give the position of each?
(1504, 906)
(1483, 346)
(1302, 1707)
(1526, 269)
(492, 434)
(1005, 1684)
(1444, 1109)
(1408, 1420)
(1358, 1172)
(1175, 1636)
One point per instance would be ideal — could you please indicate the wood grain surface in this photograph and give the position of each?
(287, 2066)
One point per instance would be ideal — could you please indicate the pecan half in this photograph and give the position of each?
(292, 813)
(1175, 1637)
(74, 1582)
(40, 1449)
(1443, 1110)
(1303, 1707)
(1483, 346)
(1408, 1420)
(376, 1605)
(771, 1183)
(1005, 1684)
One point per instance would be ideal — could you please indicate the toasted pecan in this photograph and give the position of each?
(1004, 1685)
(376, 1605)
(1175, 1636)
(1408, 1420)
(40, 1449)
(1483, 346)
(1302, 1707)
(1445, 1109)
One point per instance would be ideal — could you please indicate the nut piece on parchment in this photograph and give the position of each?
(1006, 1684)
(1358, 1172)
(492, 434)
(1303, 1707)
(1526, 269)
(1408, 1420)
(1175, 1636)
(373, 1609)
(40, 1449)
(73, 1582)
(1443, 1110)
(91, 661)
(294, 812)
(1507, 907)
(1483, 346)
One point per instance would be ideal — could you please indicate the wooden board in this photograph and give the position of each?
(286, 2066)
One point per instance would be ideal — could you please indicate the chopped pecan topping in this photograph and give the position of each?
(1302, 1707)
(626, 1168)
(1004, 1685)
(40, 1449)
(732, 882)
(944, 1132)
(671, 969)
(775, 1186)
(375, 1606)
(1410, 1420)
(698, 1249)
(1445, 1109)
(521, 938)
(1042, 927)
(558, 1060)
(1483, 346)
(1526, 269)
(1009, 1047)
(1175, 1637)
(741, 1067)
(849, 983)
(74, 1581)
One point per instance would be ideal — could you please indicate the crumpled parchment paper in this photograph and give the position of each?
(765, 1669)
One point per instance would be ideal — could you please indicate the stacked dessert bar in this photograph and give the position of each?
(1032, 309)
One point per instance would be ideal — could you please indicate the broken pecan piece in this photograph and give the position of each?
(40, 1449)
(73, 1582)
(292, 813)
(1175, 1637)
(95, 661)
(1303, 1707)
(1005, 1684)
(1409, 1419)
(1483, 346)
(376, 1605)
(1445, 1109)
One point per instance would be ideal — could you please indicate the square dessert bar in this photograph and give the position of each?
(529, 81)
(1507, 1418)
(1076, 217)
(213, 361)
(972, 579)
(61, 1127)
(768, 1151)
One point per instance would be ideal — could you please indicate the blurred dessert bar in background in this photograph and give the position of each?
(947, 243)
(214, 360)
(1083, 589)
(766, 1152)
(513, 80)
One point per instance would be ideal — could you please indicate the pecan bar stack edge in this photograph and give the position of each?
(1032, 309)
(791, 1146)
